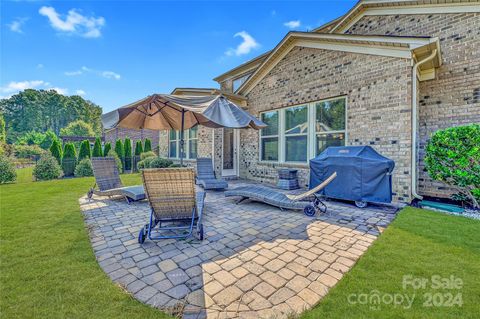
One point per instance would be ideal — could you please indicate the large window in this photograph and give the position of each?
(238, 82)
(269, 137)
(298, 133)
(191, 141)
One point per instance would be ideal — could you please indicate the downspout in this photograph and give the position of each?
(414, 123)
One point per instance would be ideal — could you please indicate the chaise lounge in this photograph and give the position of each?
(107, 178)
(206, 175)
(273, 197)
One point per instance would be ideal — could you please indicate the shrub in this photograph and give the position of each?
(56, 151)
(27, 151)
(47, 168)
(453, 157)
(112, 153)
(106, 149)
(84, 168)
(145, 163)
(128, 154)
(85, 151)
(97, 148)
(3, 132)
(31, 138)
(148, 145)
(48, 140)
(7, 170)
(160, 163)
(145, 155)
(69, 160)
(119, 149)
(138, 148)
(77, 128)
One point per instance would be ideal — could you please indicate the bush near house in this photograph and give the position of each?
(127, 148)
(97, 148)
(69, 160)
(145, 155)
(148, 145)
(56, 151)
(85, 151)
(453, 157)
(7, 170)
(113, 154)
(160, 163)
(84, 168)
(47, 168)
(106, 149)
(138, 148)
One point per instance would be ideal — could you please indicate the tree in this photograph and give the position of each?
(148, 145)
(97, 148)
(106, 148)
(56, 151)
(3, 133)
(69, 160)
(41, 110)
(77, 128)
(128, 153)
(119, 149)
(453, 157)
(84, 150)
(48, 139)
(138, 148)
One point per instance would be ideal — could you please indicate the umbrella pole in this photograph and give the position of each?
(182, 138)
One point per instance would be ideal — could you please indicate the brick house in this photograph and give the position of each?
(111, 136)
(386, 74)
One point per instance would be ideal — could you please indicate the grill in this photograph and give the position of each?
(287, 179)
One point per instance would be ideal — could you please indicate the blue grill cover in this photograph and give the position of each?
(362, 174)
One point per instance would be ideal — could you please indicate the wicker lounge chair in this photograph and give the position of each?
(175, 205)
(206, 176)
(275, 198)
(108, 181)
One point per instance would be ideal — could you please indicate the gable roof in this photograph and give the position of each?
(393, 46)
(243, 68)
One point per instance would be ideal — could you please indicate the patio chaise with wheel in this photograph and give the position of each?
(206, 175)
(275, 198)
(107, 179)
(175, 205)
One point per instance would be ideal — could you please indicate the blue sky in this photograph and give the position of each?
(116, 52)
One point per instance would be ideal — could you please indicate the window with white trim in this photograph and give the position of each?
(237, 83)
(191, 142)
(298, 133)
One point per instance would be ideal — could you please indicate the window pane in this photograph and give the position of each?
(193, 132)
(172, 149)
(330, 115)
(296, 120)
(296, 148)
(269, 149)
(326, 140)
(173, 135)
(192, 152)
(271, 119)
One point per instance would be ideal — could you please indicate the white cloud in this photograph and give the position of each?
(60, 90)
(292, 24)
(74, 22)
(80, 92)
(84, 70)
(17, 24)
(247, 45)
(40, 66)
(15, 87)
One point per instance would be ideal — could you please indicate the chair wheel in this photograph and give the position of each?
(309, 210)
(200, 232)
(142, 235)
(361, 203)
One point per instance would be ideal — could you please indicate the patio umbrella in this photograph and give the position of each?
(166, 112)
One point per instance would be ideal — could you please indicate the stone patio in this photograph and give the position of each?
(255, 262)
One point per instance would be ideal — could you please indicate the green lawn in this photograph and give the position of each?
(48, 269)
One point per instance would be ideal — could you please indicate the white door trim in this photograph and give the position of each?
(236, 143)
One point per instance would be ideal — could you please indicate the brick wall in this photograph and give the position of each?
(135, 135)
(378, 106)
(453, 98)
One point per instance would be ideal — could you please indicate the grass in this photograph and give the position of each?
(48, 269)
(421, 244)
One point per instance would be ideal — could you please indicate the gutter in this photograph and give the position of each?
(414, 123)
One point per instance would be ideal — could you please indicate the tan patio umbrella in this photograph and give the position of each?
(166, 112)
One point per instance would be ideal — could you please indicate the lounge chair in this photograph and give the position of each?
(173, 201)
(206, 175)
(107, 178)
(275, 198)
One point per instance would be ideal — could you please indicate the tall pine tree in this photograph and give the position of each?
(56, 150)
(106, 148)
(69, 160)
(127, 148)
(97, 148)
(138, 148)
(148, 145)
(85, 150)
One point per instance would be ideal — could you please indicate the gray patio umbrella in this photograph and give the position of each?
(166, 112)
